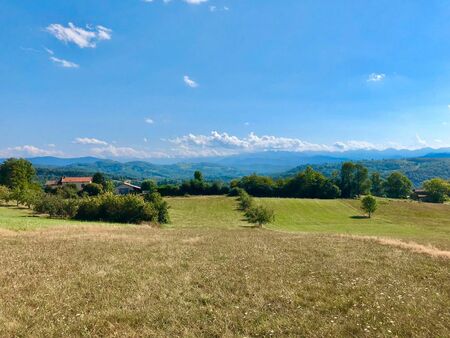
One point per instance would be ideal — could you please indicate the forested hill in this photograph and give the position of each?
(418, 170)
(138, 170)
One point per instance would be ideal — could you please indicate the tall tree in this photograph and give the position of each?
(346, 179)
(149, 186)
(99, 178)
(361, 182)
(354, 180)
(17, 174)
(397, 185)
(198, 176)
(438, 190)
(377, 188)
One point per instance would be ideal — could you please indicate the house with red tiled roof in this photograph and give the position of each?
(78, 182)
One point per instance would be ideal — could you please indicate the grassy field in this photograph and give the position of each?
(208, 274)
(21, 219)
(420, 222)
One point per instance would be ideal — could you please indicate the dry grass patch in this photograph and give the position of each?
(139, 281)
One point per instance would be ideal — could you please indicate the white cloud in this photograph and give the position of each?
(376, 77)
(195, 2)
(421, 141)
(29, 150)
(218, 9)
(189, 82)
(83, 38)
(91, 141)
(225, 144)
(148, 120)
(49, 51)
(64, 63)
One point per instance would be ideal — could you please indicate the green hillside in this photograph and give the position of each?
(421, 222)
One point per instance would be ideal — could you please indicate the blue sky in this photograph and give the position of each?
(149, 79)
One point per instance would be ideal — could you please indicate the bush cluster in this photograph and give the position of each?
(56, 207)
(256, 214)
(107, 208)
(121, 209)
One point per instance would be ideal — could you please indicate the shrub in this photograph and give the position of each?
(93, 189)
(5, 194)
(56, 207)
(259, 215)
(30, 197)
(89, 209)
(161, 206)
(149, 186)
(245, 200)
(121, 209)
(369, 204)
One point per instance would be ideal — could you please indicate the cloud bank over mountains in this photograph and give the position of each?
(210, 145)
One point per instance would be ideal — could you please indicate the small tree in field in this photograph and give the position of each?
(369, 204)
(260, 215)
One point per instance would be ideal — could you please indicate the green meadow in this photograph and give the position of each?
(208, 274)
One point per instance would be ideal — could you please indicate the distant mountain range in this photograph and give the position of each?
(432, 162)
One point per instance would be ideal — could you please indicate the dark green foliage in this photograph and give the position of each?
(437, 189)
(354, 180)
(377, 183)
(106, 184)
(234, 192)
(417, 170)
(17, 174)
(161, 206)
(99, 178)
(170, 190)
(56, 207)
(149, 186)
(93, 189)
(198, 176)
(310, 184)
(259, 215)
(118, 209)
(369, 204)
(306, 184)
(397, 185)
(195, 186)
(260, 186)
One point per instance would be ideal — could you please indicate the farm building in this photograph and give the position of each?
(78, 182)
(127, 188)
(419, 195)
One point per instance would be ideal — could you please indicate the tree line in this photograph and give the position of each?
(351, 181)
